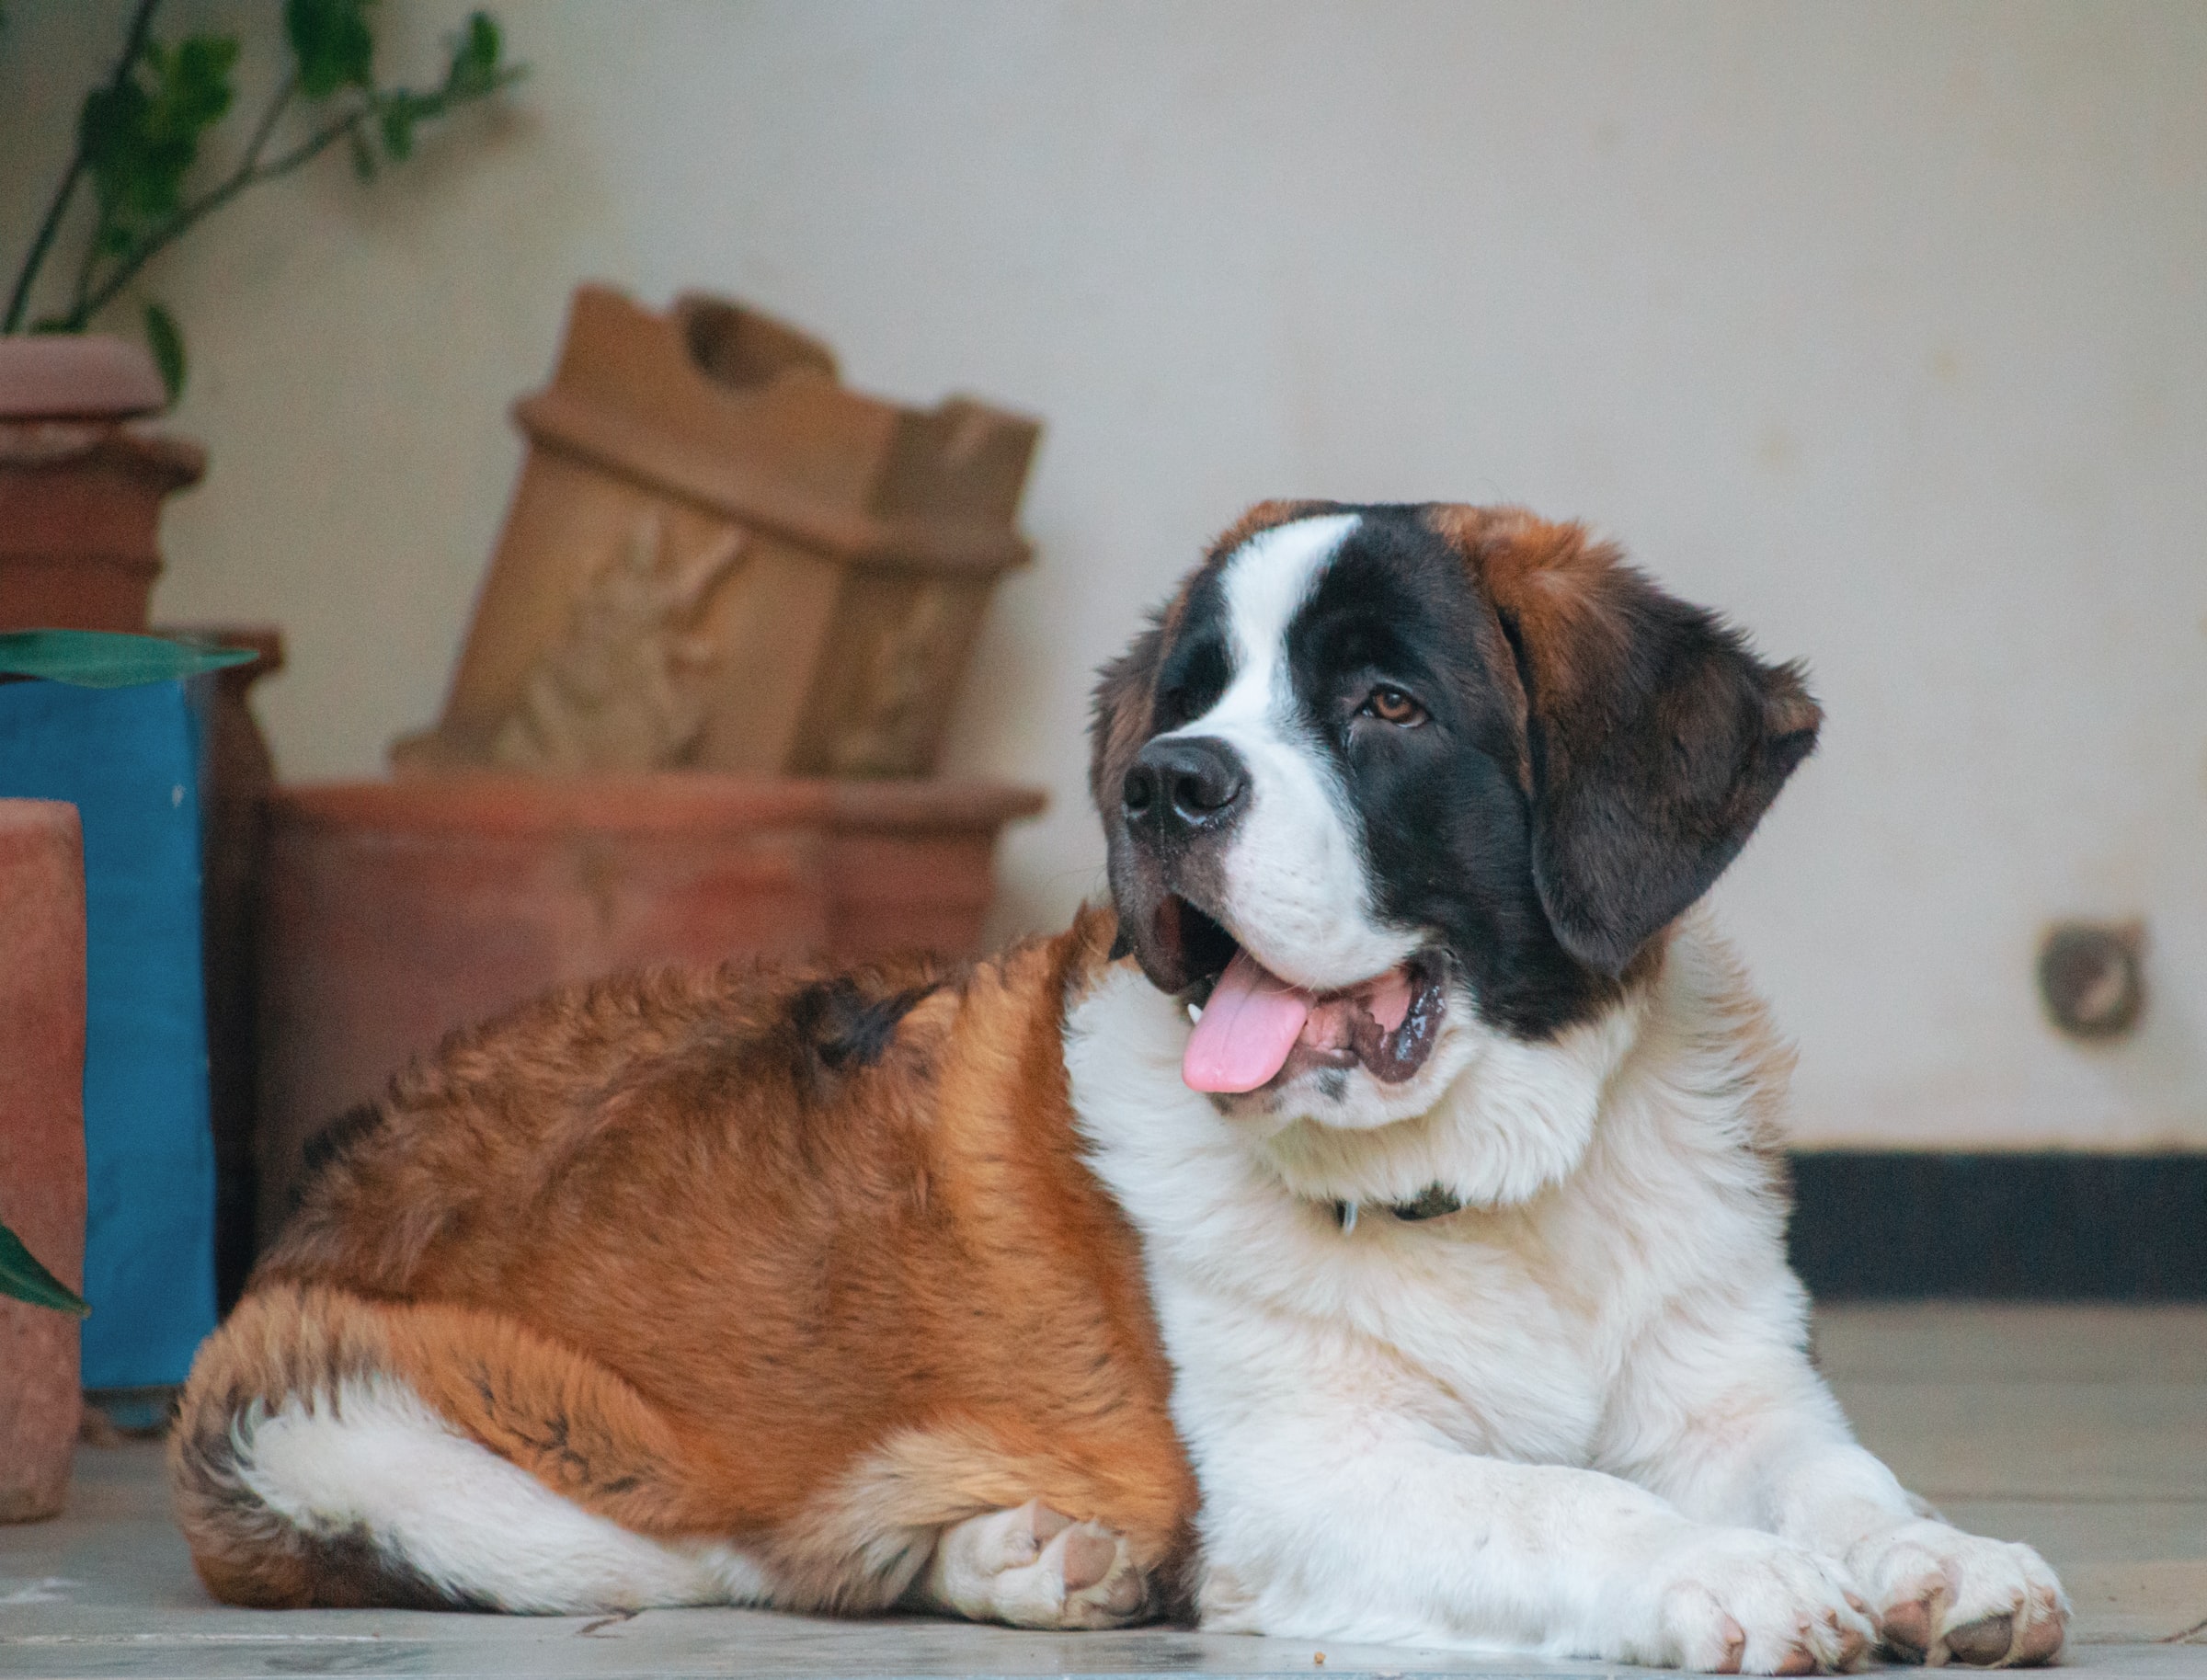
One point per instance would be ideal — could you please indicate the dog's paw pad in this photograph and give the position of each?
(2048, 1628)
(1982, 1642)
(1089, 1554)
(1907, 1627)
(1033, 1567)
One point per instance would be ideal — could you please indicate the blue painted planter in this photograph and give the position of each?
(129, 759)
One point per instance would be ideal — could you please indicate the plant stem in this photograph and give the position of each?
(249, 173)
(78, 315)
(90, 301)
(18, 299)
(269, 117)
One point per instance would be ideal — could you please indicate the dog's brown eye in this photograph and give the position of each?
(1391, 705)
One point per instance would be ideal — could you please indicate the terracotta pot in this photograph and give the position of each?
(80, 492)
(42, 1141)
(392, 912)
(801, 567)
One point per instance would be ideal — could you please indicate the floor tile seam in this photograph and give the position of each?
(2020, 1379)
(1956, 1496)
(2075, 1498)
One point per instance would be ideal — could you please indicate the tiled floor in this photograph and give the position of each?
(2082, 1430)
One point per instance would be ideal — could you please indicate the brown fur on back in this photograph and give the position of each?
(811, 1264)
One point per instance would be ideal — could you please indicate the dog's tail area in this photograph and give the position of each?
(334, 1450)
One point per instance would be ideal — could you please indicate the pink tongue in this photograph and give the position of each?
(1248, 1028)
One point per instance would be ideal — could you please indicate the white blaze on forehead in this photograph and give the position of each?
(1268, 578)
(1297, 887)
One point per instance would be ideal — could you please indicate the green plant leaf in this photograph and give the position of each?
(400, 113)
(474, 71)
(105, 659)
(195, 92)
(167, 346)
(22, 1277)
(111, 131)
(474, 68)
(332, 43)
(140, 135)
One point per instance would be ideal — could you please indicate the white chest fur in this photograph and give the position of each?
(1607, 1178)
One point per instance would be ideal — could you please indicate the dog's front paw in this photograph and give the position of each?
(1734, 1601)
(1942, 1595)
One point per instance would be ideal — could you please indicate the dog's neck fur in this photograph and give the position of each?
(1516, 1118)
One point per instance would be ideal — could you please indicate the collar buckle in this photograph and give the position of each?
(1434, 1202)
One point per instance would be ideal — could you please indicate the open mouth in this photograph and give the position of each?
(1253, 1028)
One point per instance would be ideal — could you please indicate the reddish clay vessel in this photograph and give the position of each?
(42, 1141)
(81, 493)
(80, 511)
(391, 912)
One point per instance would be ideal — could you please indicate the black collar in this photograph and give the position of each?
(1434, 1202)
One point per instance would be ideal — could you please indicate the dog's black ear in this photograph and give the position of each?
(1655, 741)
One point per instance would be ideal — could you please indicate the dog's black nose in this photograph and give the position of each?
(1185, 783)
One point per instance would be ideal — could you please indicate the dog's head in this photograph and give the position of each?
(1380, 776)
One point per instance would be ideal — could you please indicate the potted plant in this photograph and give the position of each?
(80, 493)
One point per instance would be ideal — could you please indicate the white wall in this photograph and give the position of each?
(1883, 326)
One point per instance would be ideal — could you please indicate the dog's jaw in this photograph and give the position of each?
(1492, 1119)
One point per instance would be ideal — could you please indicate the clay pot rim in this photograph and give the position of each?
(77, 376)
(171, 464)
(492, 802)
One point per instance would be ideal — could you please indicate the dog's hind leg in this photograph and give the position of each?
(989, 1523)
(332, 1450)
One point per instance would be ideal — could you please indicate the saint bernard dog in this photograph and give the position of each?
(1369, 1227)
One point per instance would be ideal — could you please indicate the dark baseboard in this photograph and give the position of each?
(1898, 1225)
